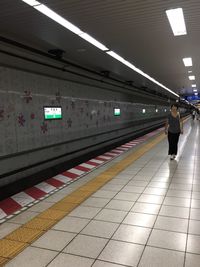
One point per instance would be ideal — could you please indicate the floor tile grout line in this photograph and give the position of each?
(96, 215)
(122, 265)
(169, 216)
(98, 220)
(84, 226)
(155, 222)
(123, 218)
(87, 223)
(194, 165)
(128, 211)
(168, 249)
(135, 203)
(152, 228)
(127, 224)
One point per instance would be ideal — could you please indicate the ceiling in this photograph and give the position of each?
(138, 30)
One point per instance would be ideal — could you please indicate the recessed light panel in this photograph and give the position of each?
(176, 20)
(191, 77)
(187, 61)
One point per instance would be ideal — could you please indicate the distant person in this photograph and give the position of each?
(173, 128)
(198, 114)
(193, 114)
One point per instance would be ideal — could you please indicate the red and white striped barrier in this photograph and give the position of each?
(14, 205)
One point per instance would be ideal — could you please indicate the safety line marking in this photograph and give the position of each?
(16, 241)
(21, 201)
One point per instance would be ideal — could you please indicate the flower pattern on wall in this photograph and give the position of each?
(81, 110)
(73, 104)
(69, 123)
(32, 116)
(87, 103)
(44, 127)
(1, 114)
(21, 120)
(58, 97)
(27, 96)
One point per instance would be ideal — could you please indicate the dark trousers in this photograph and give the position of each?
(173, 143)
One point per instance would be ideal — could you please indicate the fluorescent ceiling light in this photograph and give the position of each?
(194, 85)
(93, 41)
(32, 2)
(192, 77)
(176, 20)
(189, 71)
(187, 61)
(194, 90)
(68, 25)
(128, 64)
(54, 16)
(116, 56)
(196, 93)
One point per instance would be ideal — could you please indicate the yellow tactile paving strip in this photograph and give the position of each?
(3, 261)
(52, 214)
(15, 242)
(39, 224)
(9, 248)
(22, 235)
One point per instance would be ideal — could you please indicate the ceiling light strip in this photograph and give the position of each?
(68, 25)
(93, 41)
(128, 64)
(57, 18)
(32, 2)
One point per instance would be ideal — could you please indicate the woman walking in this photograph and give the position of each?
(193, 114)
(173, 128)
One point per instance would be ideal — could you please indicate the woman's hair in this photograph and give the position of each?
(174, 105)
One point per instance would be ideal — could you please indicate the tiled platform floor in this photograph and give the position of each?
(147, 216)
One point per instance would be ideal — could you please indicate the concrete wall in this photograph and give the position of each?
(87, 118)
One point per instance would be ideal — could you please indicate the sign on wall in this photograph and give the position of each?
(52, 113)
(117, 111)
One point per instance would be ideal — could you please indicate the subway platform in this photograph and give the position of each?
(140, 209)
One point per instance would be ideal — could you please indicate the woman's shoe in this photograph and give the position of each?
(174, 156)
(171, 157)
